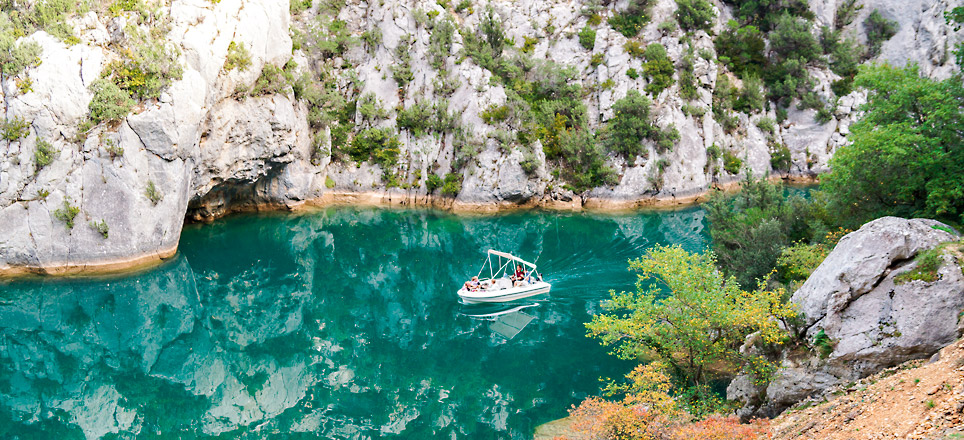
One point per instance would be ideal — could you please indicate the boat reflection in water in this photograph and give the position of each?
(507, 319)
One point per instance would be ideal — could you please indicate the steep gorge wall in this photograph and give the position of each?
(209, 150)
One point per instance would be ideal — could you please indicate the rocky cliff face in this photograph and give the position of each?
(868, 318)
(207, 147)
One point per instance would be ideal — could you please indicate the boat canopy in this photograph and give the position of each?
(511, 257)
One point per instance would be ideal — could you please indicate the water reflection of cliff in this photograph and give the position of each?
(341, 323)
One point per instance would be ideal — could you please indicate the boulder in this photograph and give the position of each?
(872, 319)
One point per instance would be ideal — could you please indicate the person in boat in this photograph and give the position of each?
(520, 273)
(473, 284)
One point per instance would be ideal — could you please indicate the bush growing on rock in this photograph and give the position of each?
(630, 125)
(740, 48)
(150, 65)
(67, 213)
(452, 185)
(238, 58)
(109, 103)
(376, 145)
(433, 182)
(587, 37)
(695, 15)
(878, 30)
(658, 67)
(630, 21)
(440, 42)
(14, 129)
(152, 193)
(15, 57)
(44, 154)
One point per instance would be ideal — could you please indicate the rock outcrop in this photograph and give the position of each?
(868, 319)
(208, 147)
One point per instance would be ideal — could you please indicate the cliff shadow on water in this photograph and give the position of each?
(341, 323)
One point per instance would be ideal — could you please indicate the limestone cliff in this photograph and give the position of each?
(208, 144)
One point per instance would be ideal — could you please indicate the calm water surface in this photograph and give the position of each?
(339, 323)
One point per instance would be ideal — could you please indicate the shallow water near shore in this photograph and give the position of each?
(335, 323)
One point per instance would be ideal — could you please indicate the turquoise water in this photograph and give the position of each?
(338, 323)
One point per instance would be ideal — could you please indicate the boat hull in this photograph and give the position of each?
(504, 295)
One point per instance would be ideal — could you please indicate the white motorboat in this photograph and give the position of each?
(500, 286)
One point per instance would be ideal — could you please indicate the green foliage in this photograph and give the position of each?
(109, 103)
(926, 265)
(878, 30)
(751, 228)
(329, 182)
(433, 182)
(51, 17)
(463, 5)
(780, 157)
(955, 18)
(440, 42)
(44, 154)
(596, 59)
(751, 97)
(298, 6)
(587, 37)
(905, 155)
(66, 213)
(764, 14)
(152, 193)
(149, 65)
(530, 163)
(686, 314)
(326, 103)
(846, 13)
(667, 27)
(658, 67)
(766, 125)
(632, 73)
(792, 47)
(238, 57)
(799, 260)
(370, 109)
(740, 48)
(452, 185)
(375, 145)
(273, 79)
(687, 78)
(529, 44)
(823, 344)
(372, 38)
(402, 69)
(422, 118)
(634, 48)
(15, 57)
(732, 163)
(101, 227)
(695, 15)
(495, 114)
(630, 125)
(630, 21)
(329, 38)
(14, 129)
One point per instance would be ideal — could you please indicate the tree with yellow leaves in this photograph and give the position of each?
(691, 319)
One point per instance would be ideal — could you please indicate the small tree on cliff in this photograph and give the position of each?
(685, 314)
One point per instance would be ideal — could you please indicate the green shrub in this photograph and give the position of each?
(51, 16)
(926, 265)
(529, 44)
(113, 149)
(823, 116)
(530, 163)
(659, 68)
(402, 69)
(740, 48)
(440, 42)
(463, 5)
(630, 21)
(495, 114)
(329, 38)
(433, 182)
(15, 129)
(792, 47)
(693, 110)
(271, 81)
(667, 27)
(846, 13)
(298, 6)
(630, 125)
(329, 182)
(823, 344)
(109, 103)
(878, 30)
(150, 64)
(101, 227)
(452, 185)
(66, 213)
(798, 261)
(731, 163)
(632, 73)
(422, 118)
(375, 145)
(15, 57)
(695, 14)
(634, 48)
(152, 193)
(780, 157)
(587, 37)
(238, 57)
(687, 79)
(766, 125)
(751, 97)
(44, 154)
(372, 38)
(596, 59)
(370, 109)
